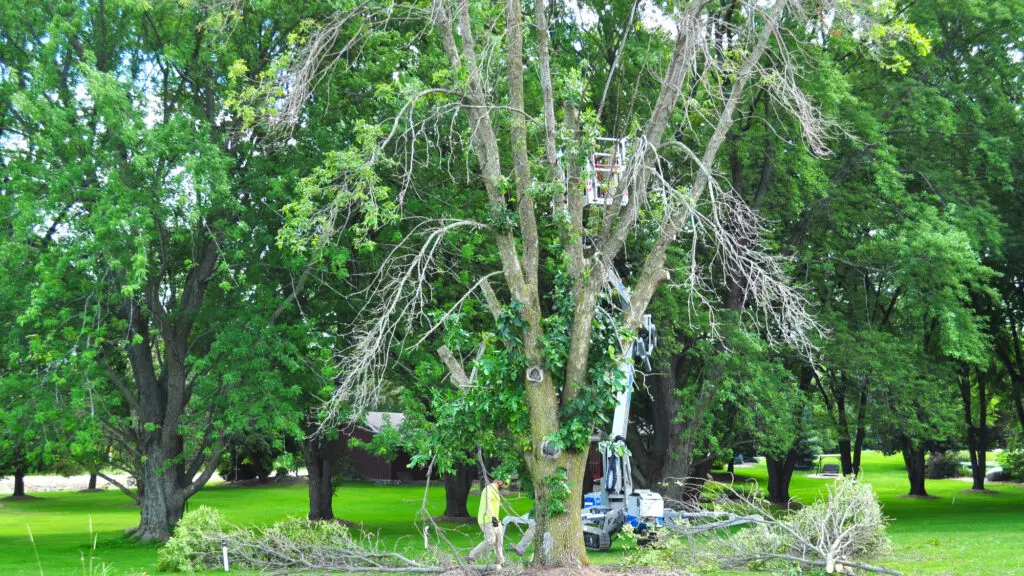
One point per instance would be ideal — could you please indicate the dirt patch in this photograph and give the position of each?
(920, 497)
(973, 491)
(25, 498)
(824, 476)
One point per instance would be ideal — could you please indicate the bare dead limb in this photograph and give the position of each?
(397, 296)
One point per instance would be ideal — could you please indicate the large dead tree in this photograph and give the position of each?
(702, 213)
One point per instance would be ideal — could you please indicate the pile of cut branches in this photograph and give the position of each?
(837, 533)
(294, 545)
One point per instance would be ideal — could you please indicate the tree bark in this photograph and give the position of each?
(913, 458)
(158, 512)
(566, 529)
(1017, 391)
(92, 482)
(858, 442)
(780, 473)
(845, 459)
(19, 483)
(588, 480)
(977, 433)
(456, 490)
(321, 457)
(981, 437)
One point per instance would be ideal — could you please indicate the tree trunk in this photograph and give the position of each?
(456, 490)
(320, 456)
(159, 513)
(780, 473)
(981, 438)
(683, 443)
(845, 459)
(976, 433)
(913, 458)
(664, 441)
(858, 443)
(19, 483)
(1017, 392)
(92, 482)
(980, 443)
(566, 529)
(588, 480)
(694, 485)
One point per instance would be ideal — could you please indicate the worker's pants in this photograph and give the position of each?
(493, 538)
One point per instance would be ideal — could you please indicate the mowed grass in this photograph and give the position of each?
(956, 534)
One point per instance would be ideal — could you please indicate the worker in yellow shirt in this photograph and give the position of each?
(487, 518)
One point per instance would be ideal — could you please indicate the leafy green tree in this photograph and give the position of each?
(158, 286)
(524, 134)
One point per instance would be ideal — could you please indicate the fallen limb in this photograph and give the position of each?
(822, 564)
(835, 533)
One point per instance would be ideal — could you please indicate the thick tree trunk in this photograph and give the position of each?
(694, 484)
(456, 490)
(321, 456)
(159, 508)
(92, 482)
(780, 473)
(913, 458)
(665, 441)
(588, 480)
(19, 483)
(566, 529)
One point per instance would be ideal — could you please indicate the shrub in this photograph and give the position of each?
(289, 545)
(943, 465)
(195, 544)
(1012, 459)
(807, 452)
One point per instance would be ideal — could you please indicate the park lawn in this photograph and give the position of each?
(961, 534)
(955, 534)
(60, 523)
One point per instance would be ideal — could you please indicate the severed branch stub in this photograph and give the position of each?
(535, 373)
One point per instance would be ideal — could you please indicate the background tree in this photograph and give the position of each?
(153, 292)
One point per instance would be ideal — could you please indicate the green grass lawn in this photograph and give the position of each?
(957, 534)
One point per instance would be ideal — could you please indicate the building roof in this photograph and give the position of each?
(376, 420)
